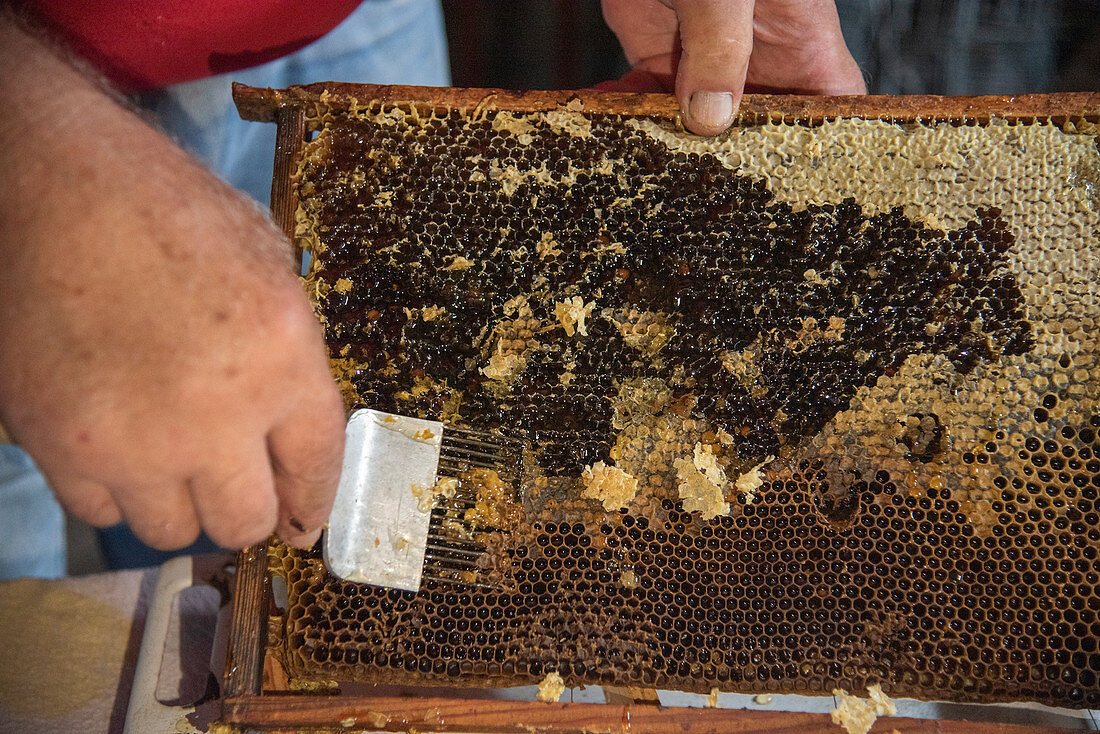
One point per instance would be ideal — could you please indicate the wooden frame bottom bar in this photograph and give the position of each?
(283, 713)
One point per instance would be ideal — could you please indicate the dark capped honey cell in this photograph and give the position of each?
(703, 243)
(428, 228)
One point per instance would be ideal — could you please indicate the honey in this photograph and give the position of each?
(868, 350)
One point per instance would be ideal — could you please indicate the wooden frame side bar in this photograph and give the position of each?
(290, 133)
(248, 631)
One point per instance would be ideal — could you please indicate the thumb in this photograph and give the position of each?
(716, 41)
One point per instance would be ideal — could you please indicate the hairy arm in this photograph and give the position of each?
(158, 358)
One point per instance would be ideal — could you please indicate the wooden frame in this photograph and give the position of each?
(255, 695)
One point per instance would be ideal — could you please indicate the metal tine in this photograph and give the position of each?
(459, 519)
(447, 556)
(441, 533)
(455, 573)
(456, 503)
(500, 460)
(459, 582)
(463, 448)
(443, 564)
(444, 553)
(460, 462)
(493, 459)
(457, 514)
(462, 500)
(455, 564)
(454, 514)
(494, 447)
(450, 544)
(442, 538)
(474, 434)
(466, 542)
(455, 507)
(463, 452)
(464, 493)
(476, 447)
(472, 527)
(463, 496)
(469, 527)
(439, 565)
(456, 467)
(456, 471)
(451, 549)
(447, 515)
(453, 570)
(487, 442)
(474, 431)
(466, 552)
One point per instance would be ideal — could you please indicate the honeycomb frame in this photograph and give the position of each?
(936, 508)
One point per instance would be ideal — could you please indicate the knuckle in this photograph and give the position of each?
(331, 404)
(314, 460)
(102, 513)
(290, 318)
(166, 535)
(317, 467)
(239, 537)
(243, 527)
(307, 497)
(332, 420)
(86, 501)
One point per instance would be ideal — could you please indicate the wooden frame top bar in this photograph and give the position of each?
(259, 104)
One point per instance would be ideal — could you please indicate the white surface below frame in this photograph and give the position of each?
(1032, 714)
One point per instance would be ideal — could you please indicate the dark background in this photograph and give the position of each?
(903, 46)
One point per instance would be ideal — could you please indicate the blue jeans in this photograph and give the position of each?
(382, 42)
(32, 527)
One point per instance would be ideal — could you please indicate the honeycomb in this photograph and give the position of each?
(804, 407)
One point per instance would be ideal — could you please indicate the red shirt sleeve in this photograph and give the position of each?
(145, 44)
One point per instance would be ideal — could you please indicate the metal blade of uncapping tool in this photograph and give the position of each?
(378, 528)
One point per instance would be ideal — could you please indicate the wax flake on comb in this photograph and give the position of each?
(882, 337)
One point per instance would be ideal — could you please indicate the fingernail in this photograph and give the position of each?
(711, 109)
(303, 540)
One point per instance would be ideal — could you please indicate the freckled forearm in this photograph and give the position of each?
(76, 168)
(61, 132)
(44, 95)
